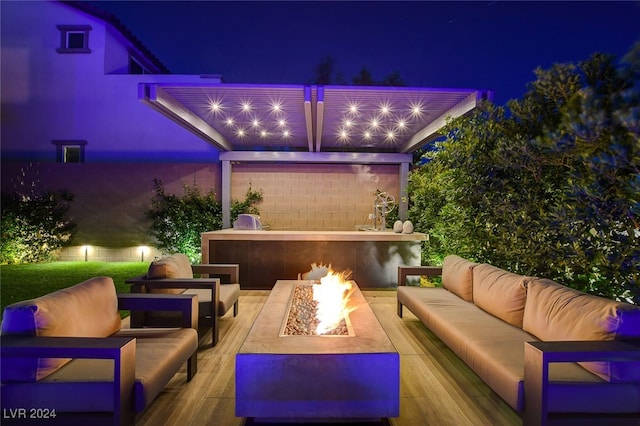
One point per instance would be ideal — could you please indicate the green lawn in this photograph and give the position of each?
(21, 282)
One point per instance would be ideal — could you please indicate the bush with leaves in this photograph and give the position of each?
(35, 226)
(178, 221)
(549, 190)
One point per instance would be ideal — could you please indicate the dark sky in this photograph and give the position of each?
(492, 45)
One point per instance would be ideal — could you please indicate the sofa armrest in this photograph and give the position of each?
(122, 350)
(228, 273)
(187, 304)
(538, 356)
(406, 271)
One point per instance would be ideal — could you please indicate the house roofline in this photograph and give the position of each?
(115, 22)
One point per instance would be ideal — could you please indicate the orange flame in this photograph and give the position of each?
(332, 295)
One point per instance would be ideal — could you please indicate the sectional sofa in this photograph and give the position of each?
(549, 351)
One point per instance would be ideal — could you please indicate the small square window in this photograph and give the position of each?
(71, 154)
(70, 151)
(74, 39)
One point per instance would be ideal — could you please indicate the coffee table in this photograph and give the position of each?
(316, 378)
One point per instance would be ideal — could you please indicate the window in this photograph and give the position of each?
(70, 151)
(74, 39)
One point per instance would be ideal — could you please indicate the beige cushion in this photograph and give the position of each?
(457, 278)
(500, 293)
(555, 312)
(88, 309)
(159, 354)
(174, 266)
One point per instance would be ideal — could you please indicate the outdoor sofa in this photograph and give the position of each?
(551, 352)
(174, 274)
(65, 357)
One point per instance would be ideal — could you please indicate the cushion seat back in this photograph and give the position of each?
(174, 266)
(554, 312)
(88, 309)
(501, 293)
(457, 276)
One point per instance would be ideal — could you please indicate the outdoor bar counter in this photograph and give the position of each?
(264, 257)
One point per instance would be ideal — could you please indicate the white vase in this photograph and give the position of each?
(407, 227)
(397, 227)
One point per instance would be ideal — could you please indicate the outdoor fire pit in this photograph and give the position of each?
(351, 374)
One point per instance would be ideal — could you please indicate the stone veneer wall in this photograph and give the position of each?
(315, 197)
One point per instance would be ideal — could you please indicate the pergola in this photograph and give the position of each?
(311, 124)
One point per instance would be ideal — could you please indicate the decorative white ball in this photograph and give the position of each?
(407, 227)
(397, 227)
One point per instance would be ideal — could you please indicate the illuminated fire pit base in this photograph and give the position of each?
(308, 378)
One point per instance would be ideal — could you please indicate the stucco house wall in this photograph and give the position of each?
(48, 96)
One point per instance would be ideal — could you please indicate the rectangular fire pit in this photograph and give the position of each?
(316, 377)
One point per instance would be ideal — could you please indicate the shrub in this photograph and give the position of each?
(34, 226)
(550, 189)
(178, 221)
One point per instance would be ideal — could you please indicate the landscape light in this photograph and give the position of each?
(85, 250)
(143, 251)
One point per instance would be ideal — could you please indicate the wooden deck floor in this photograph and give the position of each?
(436, 387)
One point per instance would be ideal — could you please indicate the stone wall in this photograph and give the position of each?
(315, 197)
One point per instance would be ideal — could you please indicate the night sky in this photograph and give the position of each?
(492, 45)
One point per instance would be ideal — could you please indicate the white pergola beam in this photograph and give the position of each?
(161, 101)
(431, 130)
(315, 157)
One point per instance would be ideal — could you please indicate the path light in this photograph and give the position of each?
(85, 250)
(143, 250)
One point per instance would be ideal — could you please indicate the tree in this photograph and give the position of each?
(325, 71)
(549, 190)
(363, 78)
(393, 79)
